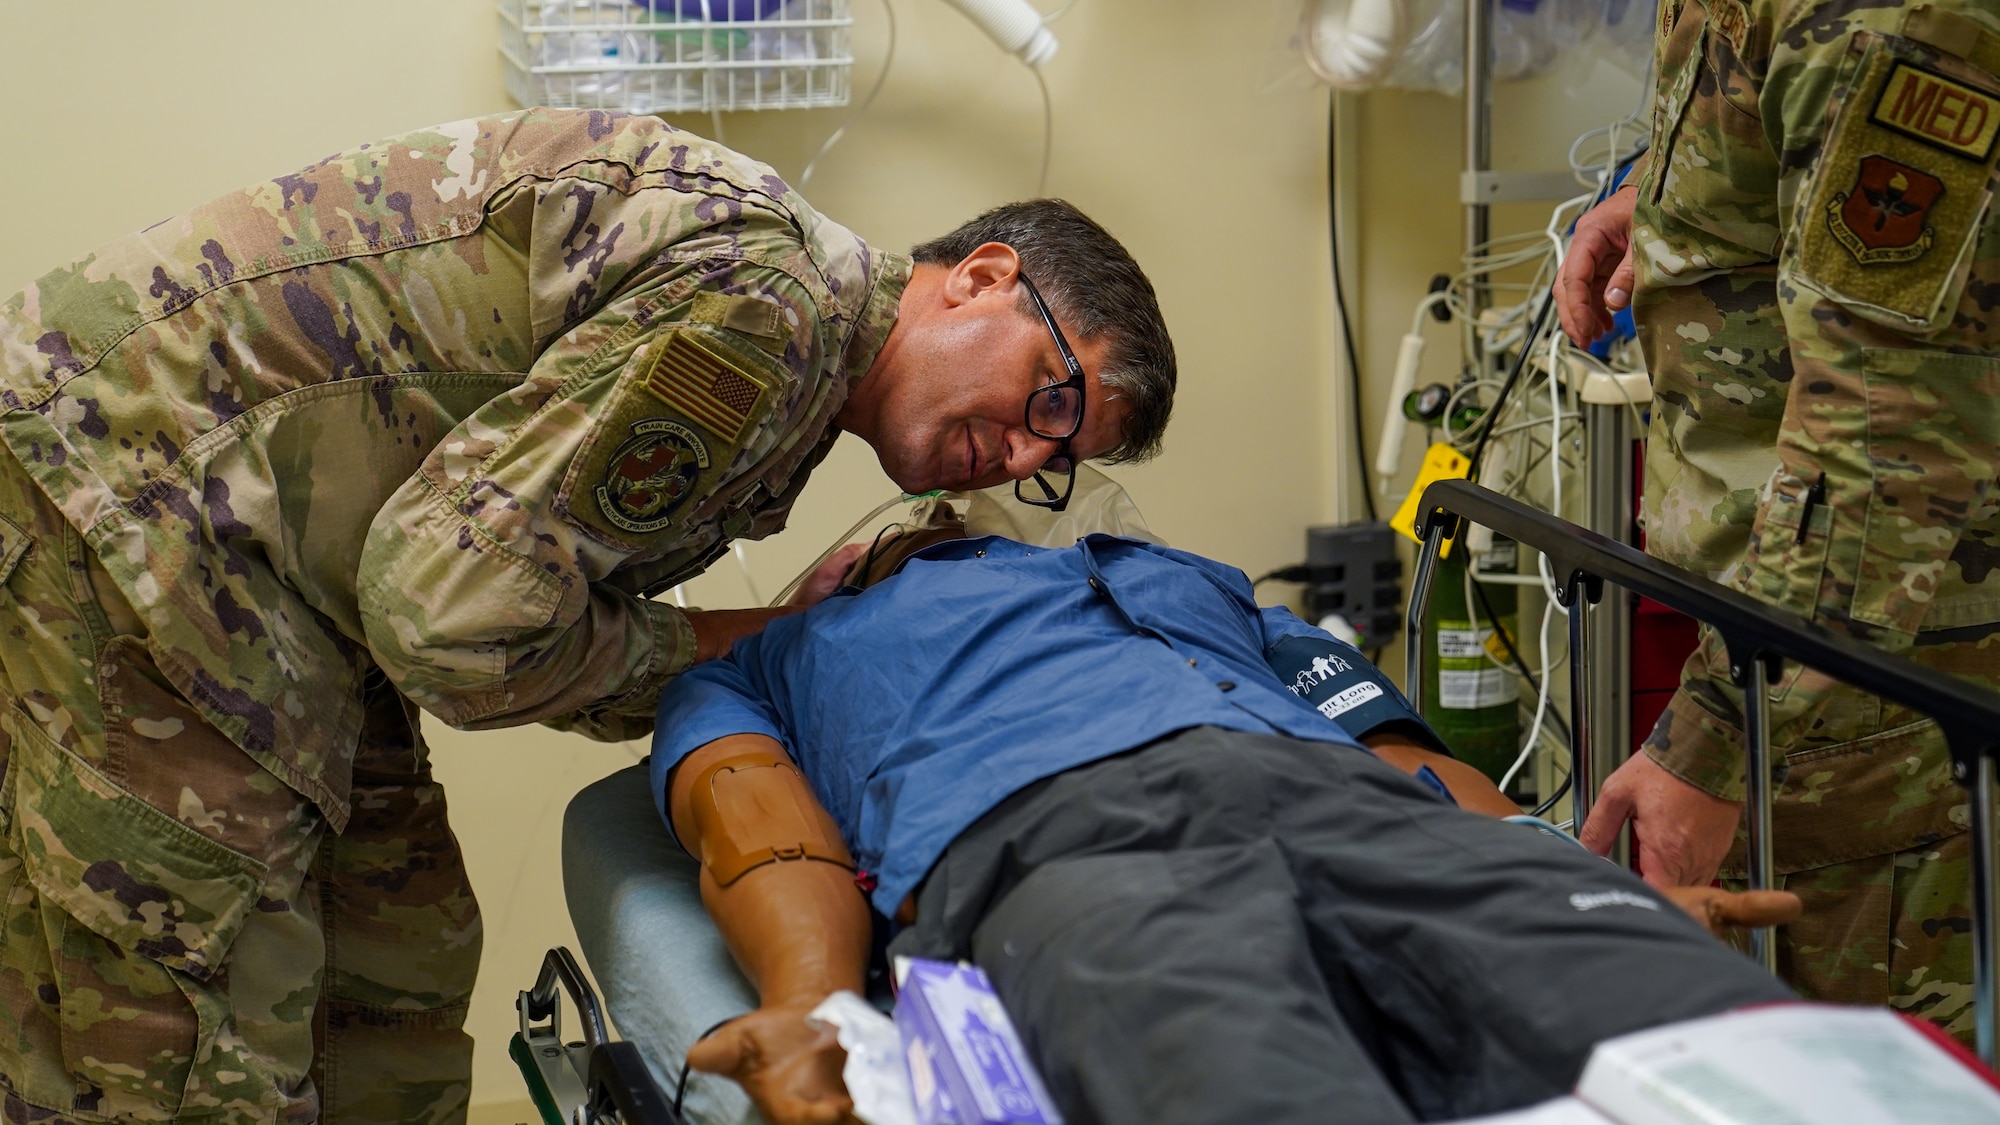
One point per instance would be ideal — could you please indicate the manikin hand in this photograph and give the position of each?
(1596, 278)
(790, 1069)
(1683, 833)
(1722, 911)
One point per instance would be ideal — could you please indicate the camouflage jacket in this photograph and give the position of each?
(1818, 277)
(452, 404)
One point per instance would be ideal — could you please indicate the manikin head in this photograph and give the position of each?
(944, 404)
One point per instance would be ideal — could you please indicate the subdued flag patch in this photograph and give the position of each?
(704, 385)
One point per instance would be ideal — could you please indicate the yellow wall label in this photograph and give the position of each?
(1441, 462)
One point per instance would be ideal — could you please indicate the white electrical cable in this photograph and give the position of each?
(743, 564)
(1541, 706)
(1048, 131)
(833, 138)
(1058, 13)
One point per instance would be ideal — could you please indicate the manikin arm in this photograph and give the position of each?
(799, 927)
(1713, 907)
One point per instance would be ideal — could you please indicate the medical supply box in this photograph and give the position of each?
(967, 1066)
(1783, 1064)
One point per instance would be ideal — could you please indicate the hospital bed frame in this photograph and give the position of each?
(1759, 639)
(583, 1081)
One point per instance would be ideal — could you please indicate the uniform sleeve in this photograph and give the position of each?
(1890, 438)
(490, 586)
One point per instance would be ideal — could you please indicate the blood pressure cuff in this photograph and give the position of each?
(1348, 690)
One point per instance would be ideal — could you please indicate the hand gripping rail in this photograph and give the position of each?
(1759, 639)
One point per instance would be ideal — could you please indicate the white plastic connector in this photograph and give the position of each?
(1389, 455)
(1014, 24)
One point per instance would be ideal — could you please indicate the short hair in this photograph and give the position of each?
(1089, 280)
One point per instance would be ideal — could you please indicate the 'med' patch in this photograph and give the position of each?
(1938, 111)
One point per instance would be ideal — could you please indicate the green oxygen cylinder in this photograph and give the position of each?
(1470, 697)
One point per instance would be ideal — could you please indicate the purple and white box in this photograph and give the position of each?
(967, 1066)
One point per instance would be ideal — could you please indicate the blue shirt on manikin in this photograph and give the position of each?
(984, 666)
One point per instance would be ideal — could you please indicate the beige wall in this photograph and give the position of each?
(122, 114)
(1169, 128)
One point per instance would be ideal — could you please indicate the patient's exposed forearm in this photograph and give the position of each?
(1469, 787)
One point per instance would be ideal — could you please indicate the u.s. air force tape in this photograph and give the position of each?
(1348, 690)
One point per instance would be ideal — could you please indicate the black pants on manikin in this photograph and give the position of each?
(1228, 927)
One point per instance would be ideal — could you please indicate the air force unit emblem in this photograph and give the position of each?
(652, 475)
(1881, 218)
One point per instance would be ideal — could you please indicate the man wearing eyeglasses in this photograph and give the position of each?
(425, 425)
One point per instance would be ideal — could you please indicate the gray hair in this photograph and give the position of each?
(1089, 280)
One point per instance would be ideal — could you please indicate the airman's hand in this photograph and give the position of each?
(1683, 833)
(1596, 278)
(828, 577)
(790, 1069)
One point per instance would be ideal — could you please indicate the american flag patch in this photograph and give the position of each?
(688, 375)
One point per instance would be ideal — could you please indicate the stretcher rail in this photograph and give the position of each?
(1759, 639)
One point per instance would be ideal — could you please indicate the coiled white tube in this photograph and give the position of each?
(1014, 24)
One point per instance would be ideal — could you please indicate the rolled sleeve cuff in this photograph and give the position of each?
(1698, 747)
(629, 714)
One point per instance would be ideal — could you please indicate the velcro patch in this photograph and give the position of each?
(651, 474)
(1895, 199)
(1938, 111)
(698, 380)
(1730, 18)
(753, 316)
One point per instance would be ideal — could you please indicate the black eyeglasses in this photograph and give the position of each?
(1054, 412)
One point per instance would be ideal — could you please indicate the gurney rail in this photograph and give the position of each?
(1759, 639)
(580, 1083)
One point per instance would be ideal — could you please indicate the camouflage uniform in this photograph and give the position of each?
(425, 421)
(1818, 272)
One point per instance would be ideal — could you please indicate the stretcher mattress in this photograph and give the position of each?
(662, 968)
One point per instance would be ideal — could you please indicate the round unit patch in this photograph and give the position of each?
(652, 475)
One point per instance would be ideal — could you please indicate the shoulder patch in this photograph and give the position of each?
(1893, 204)
(1880, 218)
(1944, 114)
(651, 474)
(1732, 20)
(697, 379)
(665, 437)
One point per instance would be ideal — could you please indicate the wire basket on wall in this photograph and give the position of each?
(658, 56)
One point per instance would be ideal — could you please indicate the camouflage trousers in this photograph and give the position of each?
(1869, 825)
(181, 936)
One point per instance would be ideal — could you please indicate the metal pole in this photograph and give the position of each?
(1986, 914)
(1583, 781)
(1609, 462)
(1757, 801)
(1413, 625)
(1478, 135)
